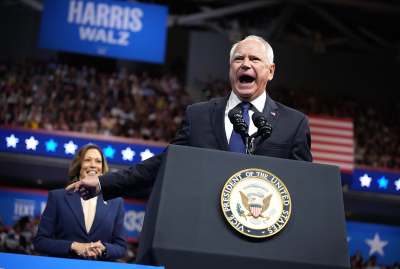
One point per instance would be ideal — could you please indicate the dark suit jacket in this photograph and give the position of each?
(204, 127)
(64, 218)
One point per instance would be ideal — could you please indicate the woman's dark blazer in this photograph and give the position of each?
(63, 222)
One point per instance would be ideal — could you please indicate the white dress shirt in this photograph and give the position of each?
(233, 101)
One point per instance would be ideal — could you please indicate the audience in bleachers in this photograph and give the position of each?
(58, 97)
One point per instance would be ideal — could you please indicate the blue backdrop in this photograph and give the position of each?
(382, 241)
(134, 31)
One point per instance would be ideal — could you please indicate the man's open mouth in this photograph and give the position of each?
(246, 79)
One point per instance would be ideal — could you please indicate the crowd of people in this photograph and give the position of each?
(18, 239)
(59, 97)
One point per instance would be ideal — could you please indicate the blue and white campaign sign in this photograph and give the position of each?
(126, 30)
(376, 181)
(134, 216)
(382, 241)
(18, 203)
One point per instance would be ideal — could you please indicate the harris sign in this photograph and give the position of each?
(126, 30)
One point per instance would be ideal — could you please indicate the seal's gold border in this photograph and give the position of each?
(260, 170)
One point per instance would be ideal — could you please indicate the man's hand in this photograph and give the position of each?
(87, 188)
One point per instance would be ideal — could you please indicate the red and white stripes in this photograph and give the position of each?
(332, 141)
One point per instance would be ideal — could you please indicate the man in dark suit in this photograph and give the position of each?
(206, 125)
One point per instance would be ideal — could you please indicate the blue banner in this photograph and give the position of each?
(382, 241)
(134, 216)
(50, 145)
(375, 181)
(16, 204)
(126, 30)
(17, 261)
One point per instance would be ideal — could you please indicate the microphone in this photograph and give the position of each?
(239, 124)
(264, 128)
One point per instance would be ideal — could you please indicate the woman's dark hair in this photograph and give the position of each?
(75, 167)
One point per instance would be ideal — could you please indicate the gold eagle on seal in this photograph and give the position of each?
(255, 205)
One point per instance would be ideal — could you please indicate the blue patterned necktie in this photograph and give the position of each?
(236, 142)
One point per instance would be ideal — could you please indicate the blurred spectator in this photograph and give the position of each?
(107, 123)
(356, 261)
(130, 254)
(89, 125)
(15, 242)
(3, 236)
(371, 263)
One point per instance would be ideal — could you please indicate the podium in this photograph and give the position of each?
(185, 226)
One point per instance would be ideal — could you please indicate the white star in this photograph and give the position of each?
(397, 183)
(348, 239)
(127, 154)
(70, 147)
(146, 154)
(12, 141)
(31, 143)
(365, 180)
(376, 245)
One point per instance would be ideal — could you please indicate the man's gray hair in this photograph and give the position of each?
(270, 52)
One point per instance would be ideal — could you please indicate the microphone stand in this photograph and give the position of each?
(250, 144)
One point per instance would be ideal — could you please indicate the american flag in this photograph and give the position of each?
(332, 141)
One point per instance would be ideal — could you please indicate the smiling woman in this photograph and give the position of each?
(75, 228)
(88, 158)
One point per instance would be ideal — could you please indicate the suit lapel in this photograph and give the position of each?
(270, 106)
(101, 212)
(217, 113)
(271, 112)
(74, 202)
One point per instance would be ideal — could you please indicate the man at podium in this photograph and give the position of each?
(216, 124)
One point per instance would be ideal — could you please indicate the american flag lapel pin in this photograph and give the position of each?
(273, 114)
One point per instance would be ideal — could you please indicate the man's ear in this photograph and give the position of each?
(271, 72)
